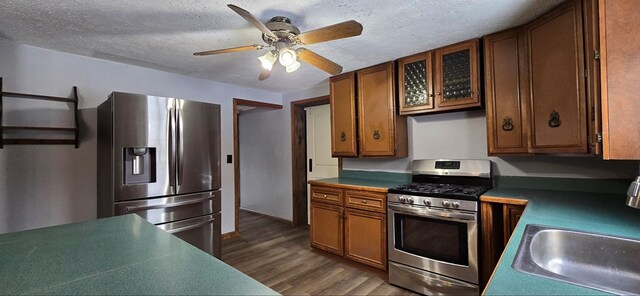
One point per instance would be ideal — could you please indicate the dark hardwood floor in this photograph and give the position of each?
(279, 256)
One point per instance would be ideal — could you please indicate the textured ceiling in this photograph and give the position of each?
(163, 34)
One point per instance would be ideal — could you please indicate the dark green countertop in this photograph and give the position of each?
(119, 255)
(379, 185)
(587, 211)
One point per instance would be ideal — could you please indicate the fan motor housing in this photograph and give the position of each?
(281, 26)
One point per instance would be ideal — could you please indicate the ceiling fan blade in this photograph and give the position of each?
(333, 32)
(264, 74)
(226, 50)
(253, 20)
(319, 61)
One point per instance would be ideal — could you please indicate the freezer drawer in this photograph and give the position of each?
(169, 209)
(202, 232)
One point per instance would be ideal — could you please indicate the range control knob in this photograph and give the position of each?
(455, 204)
(446, 203)
(410, 200)
(402, 199)
(427, 202)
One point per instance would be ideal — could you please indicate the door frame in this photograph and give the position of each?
(236, 157)
(299, 156)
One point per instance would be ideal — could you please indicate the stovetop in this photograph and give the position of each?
(458, 191)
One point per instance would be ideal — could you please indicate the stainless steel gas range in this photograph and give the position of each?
(433, 227)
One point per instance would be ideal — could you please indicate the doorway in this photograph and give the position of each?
(299, 161)
(240, 105)
(320, 163)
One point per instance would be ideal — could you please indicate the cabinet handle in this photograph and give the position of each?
(554, 119)
(376, 134)
(507, 124)
(343, 137)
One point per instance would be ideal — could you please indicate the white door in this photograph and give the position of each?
(320, 164)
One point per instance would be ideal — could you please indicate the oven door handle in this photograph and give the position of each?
(431, 213)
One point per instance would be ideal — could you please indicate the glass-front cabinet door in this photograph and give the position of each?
(456, 76)
(416, 87)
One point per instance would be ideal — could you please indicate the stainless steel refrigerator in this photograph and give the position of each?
(160, 158)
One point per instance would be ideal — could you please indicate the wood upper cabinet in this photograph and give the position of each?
(381, 132)
(415, 87)
(343, 115)
(620, 74)
(457, 76)
(539, 85)
(444, 79)
(506, 92)
(326, 227)
(557, 81)
(366, 237)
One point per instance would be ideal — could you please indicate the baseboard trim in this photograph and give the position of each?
(289, 222)
(230, 235)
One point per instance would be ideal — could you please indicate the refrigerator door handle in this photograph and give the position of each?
(185, 228)
(171, 144)
(180, 145)
(169, 205)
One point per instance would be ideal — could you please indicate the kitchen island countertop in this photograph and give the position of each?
(604, 213)
(118, 255)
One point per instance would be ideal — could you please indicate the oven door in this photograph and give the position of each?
(436, 240)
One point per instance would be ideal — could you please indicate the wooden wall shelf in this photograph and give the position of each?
(28, 141)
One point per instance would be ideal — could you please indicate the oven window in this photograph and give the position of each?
(435, 239)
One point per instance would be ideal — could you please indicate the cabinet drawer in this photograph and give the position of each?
(326, 195)
(372, 201)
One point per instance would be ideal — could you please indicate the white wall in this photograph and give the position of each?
(49, 185)
(463, 135)
(265, 179)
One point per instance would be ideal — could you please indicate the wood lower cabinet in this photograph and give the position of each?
(620, 74)
(365, 237)
(357, 229)
(536, 85)
(498, 220)
(326, 229)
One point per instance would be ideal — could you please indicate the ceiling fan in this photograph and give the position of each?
(280, 35)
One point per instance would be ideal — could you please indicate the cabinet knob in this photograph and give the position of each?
(364, 202)
(438, 93)
(376, 134)
(507, 124)
(554, 119)
(343, 137)
(324, 195)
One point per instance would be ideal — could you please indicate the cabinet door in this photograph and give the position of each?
(415, 88)
(505, 80)
(376, 107)
(557, 81)
(512, 214)
(366, 238)
(343, 115)
(326, 227)
(456, 76)
(620, 70)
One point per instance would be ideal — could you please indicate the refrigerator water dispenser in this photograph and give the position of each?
(139, 165)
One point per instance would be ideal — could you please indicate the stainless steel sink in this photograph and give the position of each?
(606, 263)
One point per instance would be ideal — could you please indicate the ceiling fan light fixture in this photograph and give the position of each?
(268, 59)
(293, 67)
(287, 56)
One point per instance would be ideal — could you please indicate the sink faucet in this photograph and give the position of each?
(633, 194)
